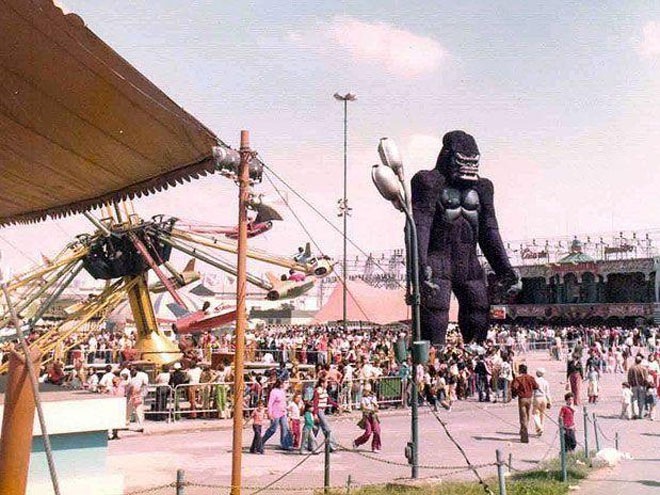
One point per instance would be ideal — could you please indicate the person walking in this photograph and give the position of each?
(567, 417)
(321, 401)
(278, 417)
(369, 406)
(308, 441)
(294, 413)
(523, 387)
(626, 401)
(575, 375)
(651, 398)
(541, 400)
(506, 377)
(637, 376)
(259, 417)
(482, 372)
(593, 377)
(136, 392)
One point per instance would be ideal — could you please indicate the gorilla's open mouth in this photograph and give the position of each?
(467, 166)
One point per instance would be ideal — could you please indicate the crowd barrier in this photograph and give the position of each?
(215, 400)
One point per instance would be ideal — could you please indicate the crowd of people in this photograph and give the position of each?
(304, 373)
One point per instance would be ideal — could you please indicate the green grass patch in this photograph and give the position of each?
(544, 480)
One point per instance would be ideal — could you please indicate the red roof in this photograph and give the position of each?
(365, 303)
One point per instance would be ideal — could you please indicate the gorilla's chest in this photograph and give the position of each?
(459, 203)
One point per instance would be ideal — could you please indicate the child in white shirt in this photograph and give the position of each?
(626, 401)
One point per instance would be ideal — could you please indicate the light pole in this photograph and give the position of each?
(390, 181)
(343, 203)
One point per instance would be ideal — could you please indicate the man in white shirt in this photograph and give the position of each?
(91, 349)
(105, 384)
(268, 358)
(194, 374)
(541, 400)
(137, 391)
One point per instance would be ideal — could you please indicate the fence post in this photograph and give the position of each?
(616, 440)
(510, 461)
(180, 481)
(348, 485)
(326, 466)
(500, 471)
(176, 415)
(585, 417)
(562, 451)
(596, 432)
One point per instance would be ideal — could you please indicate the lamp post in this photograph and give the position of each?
(343, 203)
(390, 181)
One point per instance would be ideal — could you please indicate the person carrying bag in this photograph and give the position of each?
(369, 421)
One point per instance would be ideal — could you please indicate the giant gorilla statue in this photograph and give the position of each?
(453, 211)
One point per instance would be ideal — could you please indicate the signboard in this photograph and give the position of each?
(498, 312)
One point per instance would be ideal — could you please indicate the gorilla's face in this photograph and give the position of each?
(459, 158)
(464, 166)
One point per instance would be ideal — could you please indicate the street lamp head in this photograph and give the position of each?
(390, 156)
(346, 97)
(388, 185)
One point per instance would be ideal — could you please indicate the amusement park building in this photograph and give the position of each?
(580, 289)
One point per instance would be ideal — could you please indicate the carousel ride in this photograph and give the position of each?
(122, 251)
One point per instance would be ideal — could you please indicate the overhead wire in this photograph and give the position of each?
(326, 220)
(17, 248)
(342, 279)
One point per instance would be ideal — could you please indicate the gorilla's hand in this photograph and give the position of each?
(428, 276)
(511, 283)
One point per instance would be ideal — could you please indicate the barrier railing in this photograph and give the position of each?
(288, 355)
(215, 400)
(159, 403)
(208, 400)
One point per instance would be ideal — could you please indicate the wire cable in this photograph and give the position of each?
(287, 473)
(325, 219)
(460, 449)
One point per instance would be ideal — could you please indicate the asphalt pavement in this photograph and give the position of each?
(202, 448)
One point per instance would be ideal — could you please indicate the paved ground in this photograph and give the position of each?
(203, 448)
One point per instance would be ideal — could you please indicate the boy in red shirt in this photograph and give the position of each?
(567, 417)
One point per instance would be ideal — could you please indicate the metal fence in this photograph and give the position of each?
(215, 400)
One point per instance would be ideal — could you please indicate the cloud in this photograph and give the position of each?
(649, 46)
(400, 52)
(421, 152)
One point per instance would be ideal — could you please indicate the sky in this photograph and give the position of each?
(562, 97)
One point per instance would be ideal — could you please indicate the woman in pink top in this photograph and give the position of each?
(277, 406)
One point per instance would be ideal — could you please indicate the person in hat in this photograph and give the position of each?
(179, 377)
(369, 421)
(541, 400)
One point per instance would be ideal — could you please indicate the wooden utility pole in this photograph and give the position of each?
(241, 323)
(16, 443)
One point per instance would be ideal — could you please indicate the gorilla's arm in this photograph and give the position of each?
(490, 241)
(425, 190)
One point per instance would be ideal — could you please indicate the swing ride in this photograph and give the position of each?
(124, 249)
(83, 131)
